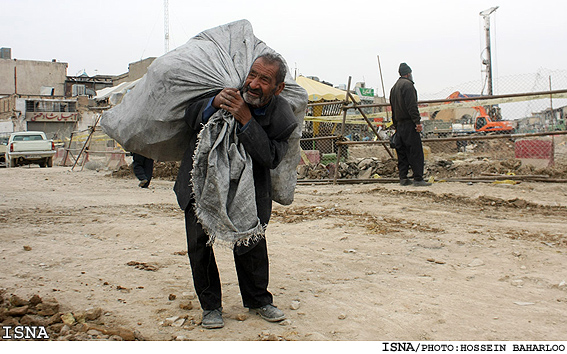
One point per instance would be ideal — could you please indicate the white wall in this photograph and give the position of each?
(6, 126)
(29, 76)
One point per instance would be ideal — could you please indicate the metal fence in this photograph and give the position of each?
(518, 135)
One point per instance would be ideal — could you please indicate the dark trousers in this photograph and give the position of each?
(143, 168)
(409, 150)
(251, 268)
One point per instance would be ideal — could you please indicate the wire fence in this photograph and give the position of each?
(517, 135)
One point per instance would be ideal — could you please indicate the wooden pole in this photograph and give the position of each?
(383, 91)
(341, 136)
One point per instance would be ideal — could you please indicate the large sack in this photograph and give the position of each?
(223, 184)
(149, 120)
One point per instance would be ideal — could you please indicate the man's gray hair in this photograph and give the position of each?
(272, 58)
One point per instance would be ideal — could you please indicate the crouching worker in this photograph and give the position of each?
(263, 122)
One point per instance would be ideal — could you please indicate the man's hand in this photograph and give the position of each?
(419, 128)
(230, 100)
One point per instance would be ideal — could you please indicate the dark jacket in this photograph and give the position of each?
(403, 99)
(264, 138)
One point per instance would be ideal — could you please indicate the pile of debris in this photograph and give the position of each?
(42, 319)
(439, 167)
(164, 170)
(362, 168)
(124, 171)
(457, 166)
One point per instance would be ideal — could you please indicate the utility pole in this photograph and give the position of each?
(488, 61)
(166, 24)
(383, 91)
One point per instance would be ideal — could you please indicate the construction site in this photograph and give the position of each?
(477, 256)
(477, 260)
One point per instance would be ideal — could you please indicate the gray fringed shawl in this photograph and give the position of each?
(223, 184)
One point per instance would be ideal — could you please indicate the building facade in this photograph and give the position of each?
(31, 77)
(38, 95)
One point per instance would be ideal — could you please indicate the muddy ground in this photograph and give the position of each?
(454, 261)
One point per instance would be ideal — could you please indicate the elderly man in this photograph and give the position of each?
(407, 121)
(265, 122)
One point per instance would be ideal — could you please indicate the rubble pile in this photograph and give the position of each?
(460, 166)
(124, 171)
(49, 322)
(163, 170)
(439, 167)
(362, 168)
(455, 166)
(166, 170)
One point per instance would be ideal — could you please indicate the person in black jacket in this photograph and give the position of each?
(143, 168)
(265, 123)
(407, 121)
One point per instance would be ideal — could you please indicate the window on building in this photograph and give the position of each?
(50, 106)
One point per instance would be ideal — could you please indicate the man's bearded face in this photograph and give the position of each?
(256, 97)
(260, 85)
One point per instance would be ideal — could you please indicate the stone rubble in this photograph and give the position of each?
(60, 326)
(439, 166)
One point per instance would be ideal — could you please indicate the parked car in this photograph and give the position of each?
(32, 147)
(3, 144)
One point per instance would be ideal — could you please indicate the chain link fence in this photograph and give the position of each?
(519, 134)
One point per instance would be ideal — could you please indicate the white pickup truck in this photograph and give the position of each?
(3, 144)
(25, 148)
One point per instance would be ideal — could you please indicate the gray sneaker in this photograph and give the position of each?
(270, 313)
(405, 182)
(421, 183)
(212, 318)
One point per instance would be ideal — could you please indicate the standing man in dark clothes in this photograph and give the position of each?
(265, 123)
(143, 169)
(407, 121)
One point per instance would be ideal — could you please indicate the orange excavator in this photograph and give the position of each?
(485, 122)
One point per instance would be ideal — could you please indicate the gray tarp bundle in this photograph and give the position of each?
(149, 120)
(223, 184)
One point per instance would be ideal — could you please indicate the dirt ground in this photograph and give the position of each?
(453, 261)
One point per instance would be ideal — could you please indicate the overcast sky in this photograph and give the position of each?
(441, 40)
